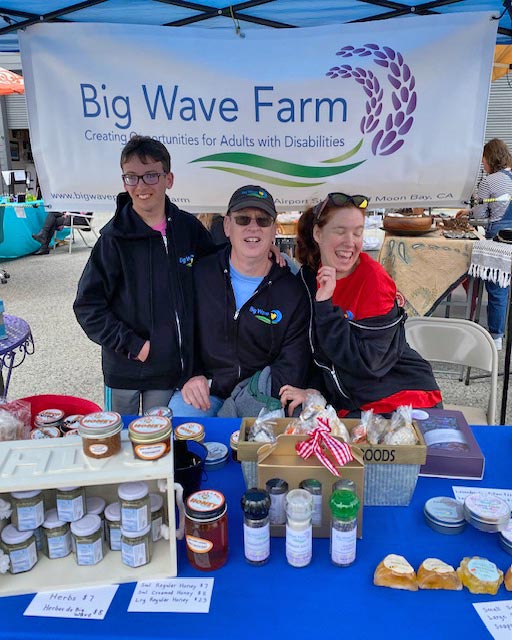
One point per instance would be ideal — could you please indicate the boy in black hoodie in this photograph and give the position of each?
(135, 296)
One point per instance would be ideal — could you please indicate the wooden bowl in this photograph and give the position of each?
(415, 224)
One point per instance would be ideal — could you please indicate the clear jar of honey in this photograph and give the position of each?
(206, 529)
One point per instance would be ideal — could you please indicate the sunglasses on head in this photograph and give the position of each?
(340, 200)
(261, 221)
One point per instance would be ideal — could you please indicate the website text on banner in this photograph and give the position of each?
(396, 113)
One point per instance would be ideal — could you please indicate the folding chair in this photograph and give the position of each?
(461, 342)
(81, 222)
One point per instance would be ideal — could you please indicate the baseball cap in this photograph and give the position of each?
(252, 196)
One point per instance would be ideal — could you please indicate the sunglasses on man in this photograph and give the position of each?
(340, 200)
(261, 221)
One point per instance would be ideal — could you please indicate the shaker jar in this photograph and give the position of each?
(206, 529)
(299, 531)
(314, 487)
(256, 506)
(344, 507)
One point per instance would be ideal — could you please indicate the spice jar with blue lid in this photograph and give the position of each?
(444, 515)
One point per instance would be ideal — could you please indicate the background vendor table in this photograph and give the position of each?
(425, 268)
(15, 347)
(277, 601)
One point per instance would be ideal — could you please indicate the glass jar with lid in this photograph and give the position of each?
(150, 436)
(56, 536)
(189, 431)
(27, 509)
(344, 507)
(101, 434)
(206, 529)
(20, 546)
(299, 532)
(88, 540)
(136, 547)
(70, 503)
(135, 506)
(256, 506)
(157, 515)
(96, 505)
(113, 526)
(277, 489)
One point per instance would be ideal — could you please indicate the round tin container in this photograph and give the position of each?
(233, 442)
(101, 434)
(218, 455)
(486, 512)
(49, 417)
(150, 436)
(45, 432)
(71, 422)
(166, 412)
(444, 515)
(71, 432)
(505, 538)
(189, 431)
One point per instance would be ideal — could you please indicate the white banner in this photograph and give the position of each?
(393, 109)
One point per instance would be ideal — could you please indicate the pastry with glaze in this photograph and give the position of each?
(395, 572)
(436, 574)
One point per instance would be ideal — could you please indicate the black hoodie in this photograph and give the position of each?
(133, 290)
(269, 329)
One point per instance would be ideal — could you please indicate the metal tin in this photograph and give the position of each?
(505, 538)
(45, 432)
(49, 417)
(150, 436)
(189, 431)
(165, 412)
(486, 512)
(218, 455)
(444, 515)
(71, 422)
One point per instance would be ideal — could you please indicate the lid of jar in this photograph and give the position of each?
(156, 502)
(38, 434)
(312, 485)
(71, 432)
(67, 489)
(507, 532)
(100, 423)
(299, 504)
(205, 504)
(486, 508)
(45, 432)
(48, 416)
(20, 495)
(233, 440)
(113, 511)
(189, 431)
(149, 427)
(71, 422)
(51, 520)
(256, 503)
(444, 510)
(217, 452)
(276, 485)
(159, 411)
(11, 535)
(135, 534)
(86, 525)
(95, 504)
(344, 485)
(344, 504)
(132, 490)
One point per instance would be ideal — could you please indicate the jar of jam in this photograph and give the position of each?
(206, 529)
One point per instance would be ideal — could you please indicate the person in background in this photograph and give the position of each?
(53, 221)
(357, 329)
(251, 313)
(497, 161)
(135, 295)
(214, 222)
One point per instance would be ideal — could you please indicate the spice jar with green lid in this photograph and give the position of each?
(20, 546)
(157, 515)
(113, 526)
(70, 503)
(88, 540)
(344, 507)
(136, 547)
(27, 509)
(56, 536)
(135, 506)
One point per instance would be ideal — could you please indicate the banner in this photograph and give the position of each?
(393, 109)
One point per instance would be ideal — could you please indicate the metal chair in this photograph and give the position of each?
(461, 342)
(81, 222)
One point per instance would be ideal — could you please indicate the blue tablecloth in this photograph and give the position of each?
(276, 600)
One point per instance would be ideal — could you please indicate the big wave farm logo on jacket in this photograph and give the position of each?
(268, 317)
(386, 130)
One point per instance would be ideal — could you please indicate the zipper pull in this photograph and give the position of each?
(237, 313)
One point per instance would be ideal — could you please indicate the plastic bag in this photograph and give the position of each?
(401, 430)
(15, 420)
(376, 426)
(315, 407)
(263, 428)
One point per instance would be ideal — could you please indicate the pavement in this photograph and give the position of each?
(41, 290)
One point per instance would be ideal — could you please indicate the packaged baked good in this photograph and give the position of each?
(395, 572)
(436, 574)
(508, 579)
(480, 575)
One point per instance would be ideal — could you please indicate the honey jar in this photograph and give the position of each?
(206, 529)
(150, 437)
(101, 434)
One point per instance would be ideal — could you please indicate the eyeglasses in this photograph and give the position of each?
(131, 179)
(339, 200)
(261, 221)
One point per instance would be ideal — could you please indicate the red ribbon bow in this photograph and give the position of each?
(321, 435)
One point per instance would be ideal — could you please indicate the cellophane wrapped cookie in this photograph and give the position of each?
(316, 409)
(400, 429)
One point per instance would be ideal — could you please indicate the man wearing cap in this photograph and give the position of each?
(250, 312)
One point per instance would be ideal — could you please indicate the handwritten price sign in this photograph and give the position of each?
(86, 604)
(177, 595)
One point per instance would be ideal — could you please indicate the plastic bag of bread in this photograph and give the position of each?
(508, 579)
(395, 572)
(401, 430)
(436, 574)
(315, 408)
(376, 426)
(480, 575)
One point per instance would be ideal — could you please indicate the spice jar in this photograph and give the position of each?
(136, 547)
(113, 526)
(189, 431)
(344, 507)
(27, 510)
(20, 546)
(56, 536)
(88, 540)
(277, 490)
(157, 515)
(101, 434)
(315, 489)
(344, 484)
(135, 506)
(70, 503)
(206, 529)
(299, 531)
(150, 437)
(233, 442)
(256, 506)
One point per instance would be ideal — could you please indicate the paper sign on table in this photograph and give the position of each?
(497, 617)
(91, 603)
(175, 595)
(461, 493)
(20, 212)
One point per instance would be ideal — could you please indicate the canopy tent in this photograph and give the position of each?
(241, 16)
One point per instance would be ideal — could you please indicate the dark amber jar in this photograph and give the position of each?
(206, 529)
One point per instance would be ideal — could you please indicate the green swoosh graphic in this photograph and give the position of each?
(346, 155)
(261, 176)
(277, 166)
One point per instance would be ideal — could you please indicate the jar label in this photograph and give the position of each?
(70, 509)
(150, 451)
(115, 538)
(135, 518)
(484, 570)
(199, 545)
(343, 546)
(398, 564)
(30, 517)
(134, 555)
(89, 553)
(100, 420)
(257, 542)
(149, 424)
(156, 529)
(98, 449)
(205, 500)
(189, 429)
(299, 546)
(23, 559)
(486, 506)
(434, 564)
(48, 416)
(59, 546)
